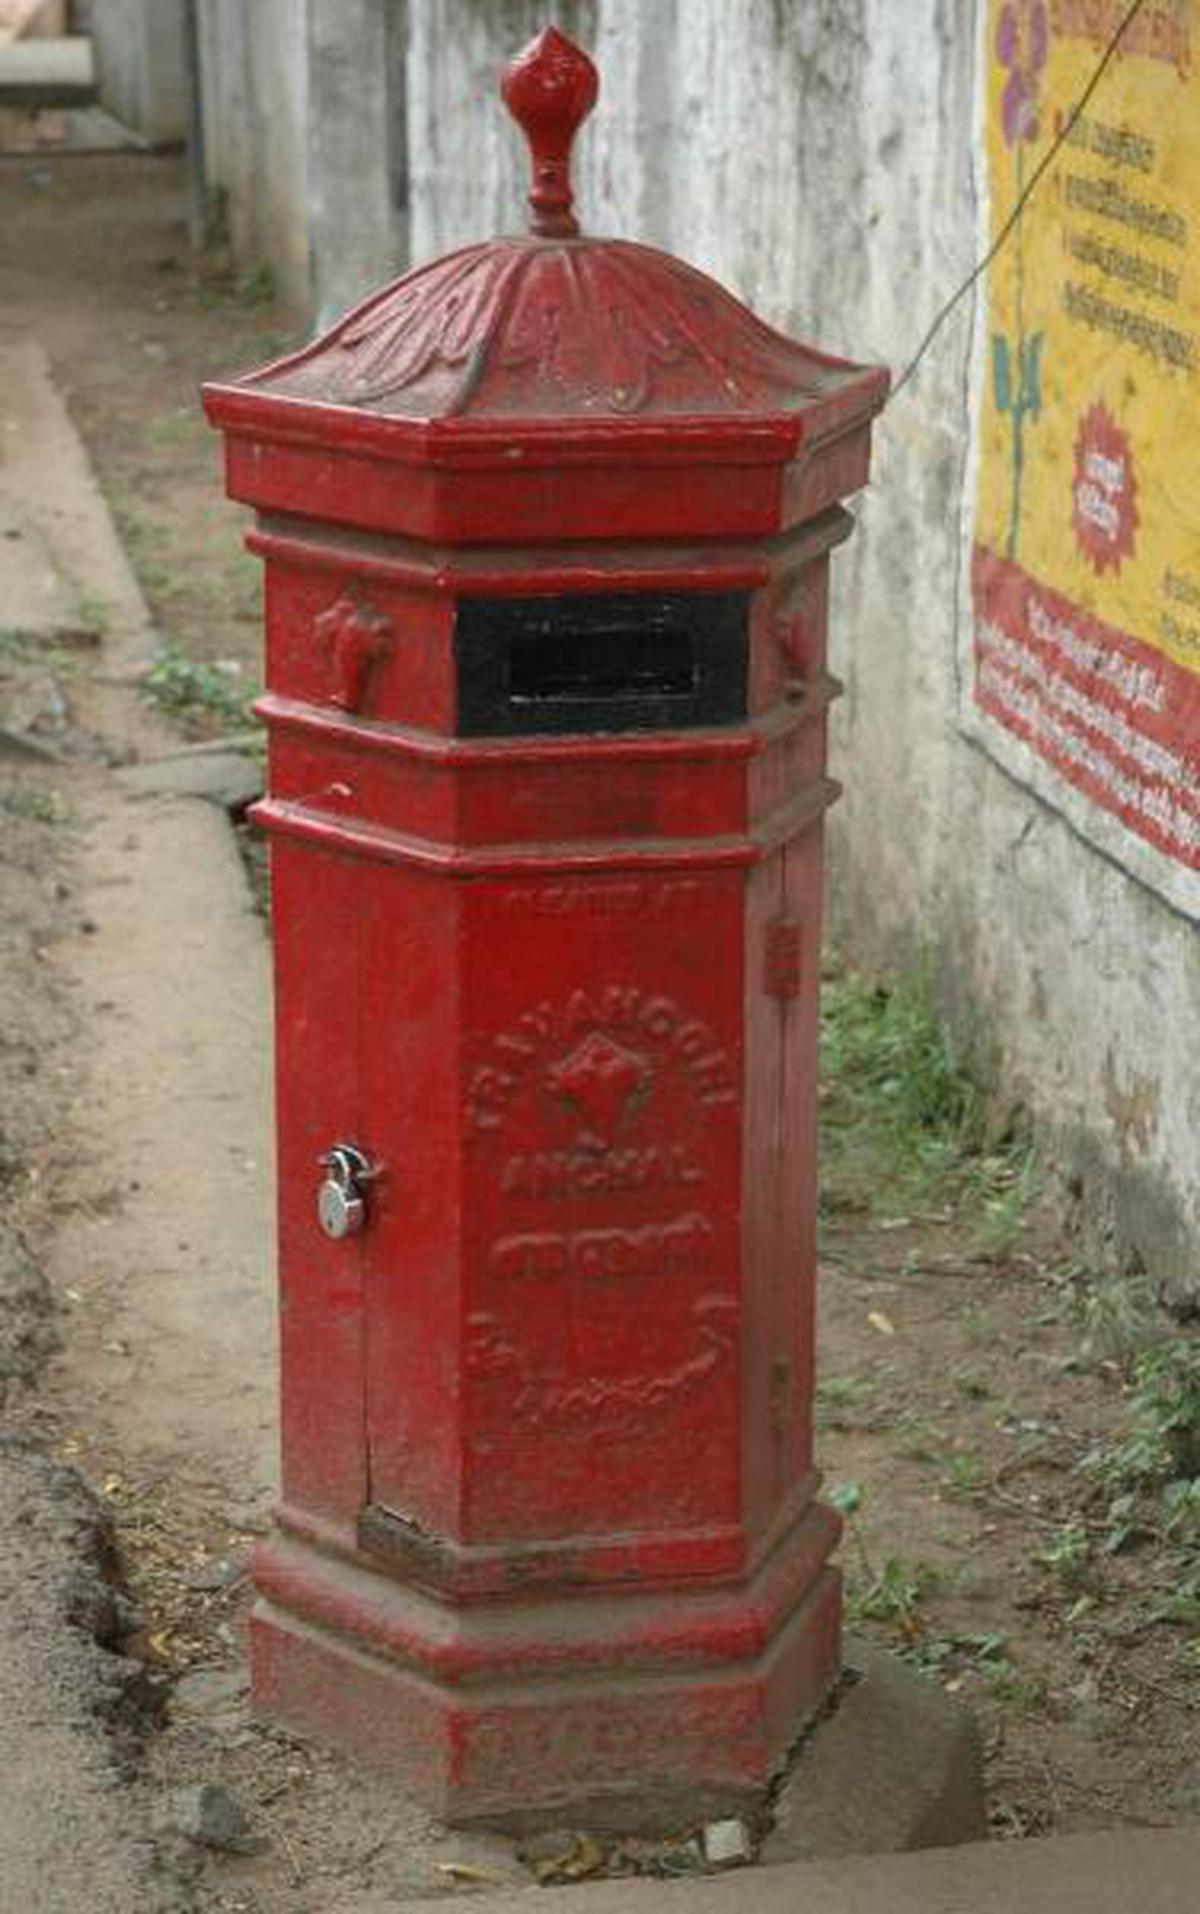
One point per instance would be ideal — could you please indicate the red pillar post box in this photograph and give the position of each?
(546, 528)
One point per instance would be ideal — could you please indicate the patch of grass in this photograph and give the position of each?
(949, 1654)
(963, 1473)
(841, 1400)
(171, 426)
(890, 1594)
(254, 286)
(1159, 1455)
(1006, 1181)
(1067, 1555)
(196, 692)
(94, 612)
(1019, 1688)
(893, 1594)
(915, 1438)
(1118, 1315)
(904, 1123)
(1152, 1474)
(971, 1384)
(44, 807)
(979, 1326)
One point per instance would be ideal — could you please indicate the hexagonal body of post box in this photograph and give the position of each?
(546, 696)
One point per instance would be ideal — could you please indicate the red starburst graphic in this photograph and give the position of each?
(1104, 491)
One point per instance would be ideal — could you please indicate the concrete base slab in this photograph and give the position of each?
(898, 1765)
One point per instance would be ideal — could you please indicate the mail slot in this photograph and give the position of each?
(620, 662)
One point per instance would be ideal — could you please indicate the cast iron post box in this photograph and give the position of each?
(546, 528)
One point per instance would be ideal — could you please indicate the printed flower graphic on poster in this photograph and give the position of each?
(1022, 45)
(1104, 491)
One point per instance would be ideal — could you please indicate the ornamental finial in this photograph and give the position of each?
(550, 88)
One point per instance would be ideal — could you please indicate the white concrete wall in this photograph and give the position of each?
(140, 65)
(254, 85)
(819, 157)
(358, 146)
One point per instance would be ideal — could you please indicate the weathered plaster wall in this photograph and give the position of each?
(254, 80)
(821, 160)
(139, 65)
(358, 148)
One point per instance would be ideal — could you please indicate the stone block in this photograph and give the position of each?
(897, 1765)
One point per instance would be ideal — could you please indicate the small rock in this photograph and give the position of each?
(551, 1844)
(248, 1518)
(727, 1844)
(214, 1818)
(18, 745)
(34, 706)
(210, 1577)
(209, 1691)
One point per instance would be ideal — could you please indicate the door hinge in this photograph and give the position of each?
(781, 958)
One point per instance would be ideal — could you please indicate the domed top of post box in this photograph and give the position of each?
(553, 344)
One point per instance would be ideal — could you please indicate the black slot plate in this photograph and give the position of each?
(621, 661)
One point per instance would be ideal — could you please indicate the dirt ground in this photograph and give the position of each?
(966, 1378)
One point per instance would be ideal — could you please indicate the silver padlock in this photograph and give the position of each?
(341, 1205)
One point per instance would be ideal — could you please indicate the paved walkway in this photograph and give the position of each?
(1123, 1873)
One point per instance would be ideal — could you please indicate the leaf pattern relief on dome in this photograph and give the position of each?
(575, 328)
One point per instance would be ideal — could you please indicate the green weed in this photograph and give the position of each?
(1067, 1555)
(949, 1654)
(1019, 1688)
(915, 1438)
(962, 1473)
(1152, 1472)
(1161, 1451)
(840, 1401)
(1118, 1316)
(95, 612)
(169, 427)
(192, 690)
(254, 286)
(893, 1594)
(44, 807)
(979, 1326)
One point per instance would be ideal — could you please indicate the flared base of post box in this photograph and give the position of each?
(634, 1713)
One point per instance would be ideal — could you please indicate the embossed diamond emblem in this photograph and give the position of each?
(601, 1078)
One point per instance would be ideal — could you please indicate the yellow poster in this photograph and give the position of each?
(1086, 562)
